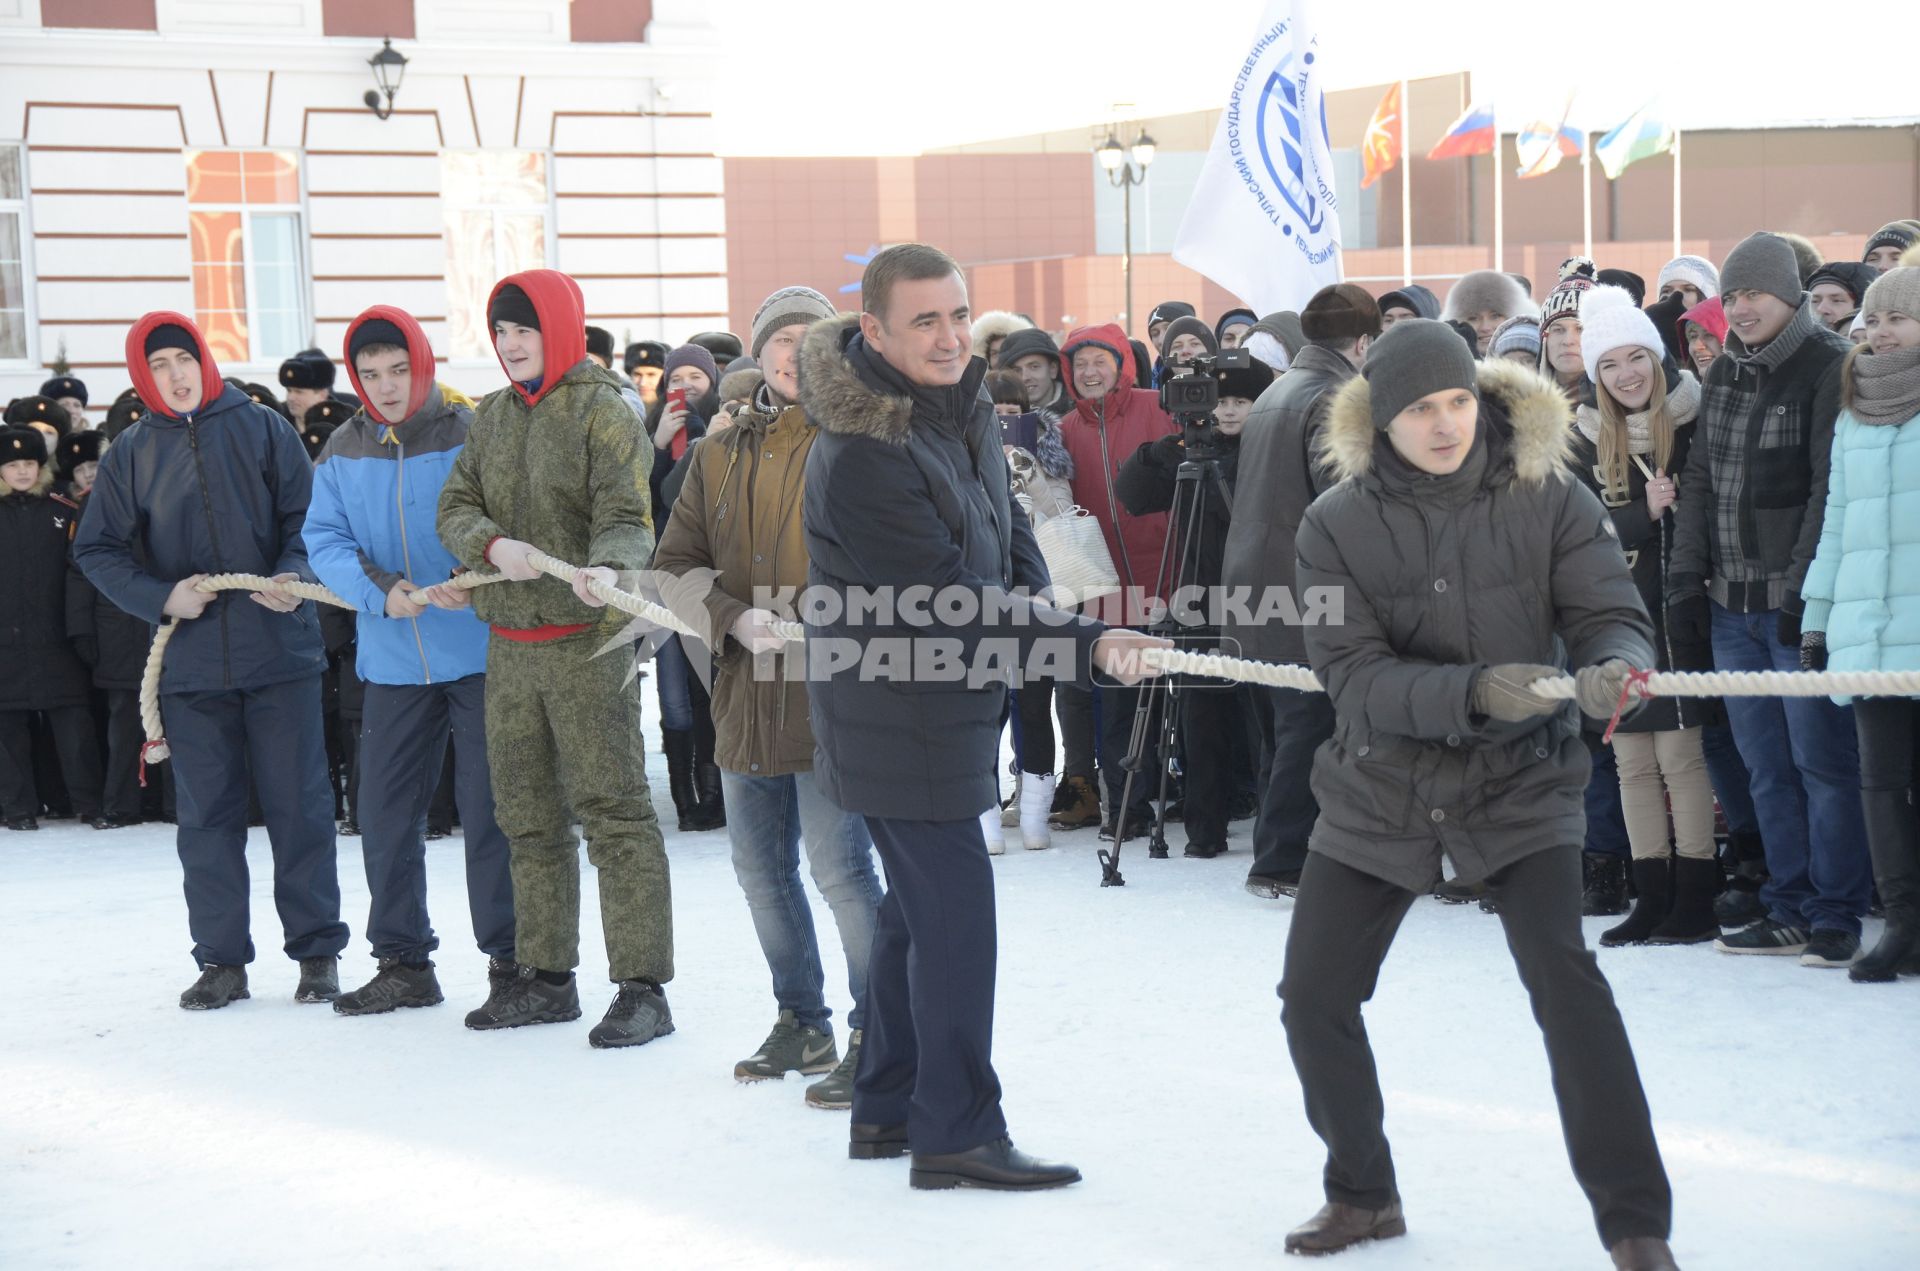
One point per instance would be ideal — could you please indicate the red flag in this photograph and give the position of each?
(1385, 141)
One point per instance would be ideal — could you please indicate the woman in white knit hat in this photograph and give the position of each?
(1693, 277)
(1629, 448)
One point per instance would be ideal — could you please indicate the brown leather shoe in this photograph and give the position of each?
(1338, 1226)
(1643, 1253)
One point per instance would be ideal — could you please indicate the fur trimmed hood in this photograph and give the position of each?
(1535, 423)
(835, 397)
(995, 324)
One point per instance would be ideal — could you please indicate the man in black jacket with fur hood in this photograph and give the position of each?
(906, 488)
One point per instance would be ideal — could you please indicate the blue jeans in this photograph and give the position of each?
(1606, 823)
(767, 817)
(1803, 756)
(1731, 785)
(670, 674)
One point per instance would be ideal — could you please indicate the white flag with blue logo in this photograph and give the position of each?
(1265, 218)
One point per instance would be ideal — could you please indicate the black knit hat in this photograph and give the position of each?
(64, 386)
(1025, 343)
(600, 343)
(1414, 358)
(1339, 314)
(511, 304)
(309, 368)
(1633, 284)
(39, 410)
(75, 449)
(645, 353)
(170, 335)
(121, 415)
(1168, 310)
(1187, 324)
(17, 444)
(1853, 276)
(375, 331)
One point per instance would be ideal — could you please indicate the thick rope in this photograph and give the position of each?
(1177, 661)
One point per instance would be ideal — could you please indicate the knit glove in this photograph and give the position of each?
(1168, 452)
(1690, 620)
(1813, 651)
(1501, 692)
(1597, 688)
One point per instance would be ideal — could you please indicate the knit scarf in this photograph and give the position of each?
(1683, 402)
(1885, 386)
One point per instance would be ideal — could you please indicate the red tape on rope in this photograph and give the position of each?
(161, 742)
(1635, 679)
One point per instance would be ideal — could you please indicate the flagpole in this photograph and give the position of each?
(1406, 189)
(1499, 207)
(1676, 191)
(1586, 191)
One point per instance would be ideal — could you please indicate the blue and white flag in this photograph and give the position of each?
(1265, 218)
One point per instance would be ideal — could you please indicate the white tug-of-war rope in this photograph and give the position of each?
(1178, 661)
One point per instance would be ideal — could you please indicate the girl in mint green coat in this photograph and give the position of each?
(1863, 594)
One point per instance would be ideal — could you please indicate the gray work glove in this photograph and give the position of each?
(1597, 689)
(1501, 692)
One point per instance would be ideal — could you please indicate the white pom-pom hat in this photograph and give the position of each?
(1610, 320)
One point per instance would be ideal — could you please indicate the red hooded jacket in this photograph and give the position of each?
(1128, 417)
(563, 324)
(211, 385)
(420, 366)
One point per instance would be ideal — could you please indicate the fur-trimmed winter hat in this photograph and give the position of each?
(1609, 319)
(26, 411)
(724, 345)
(121, 415)
(645, 353)
(1340, 314)
(18, 444)
(1895, 291)
(1488, 290)
(309, 368)
(1695, 270)
(75, 449)
(1028, 343)
(699, 358)
(261, 395)
(742, 380)
(1516, 335)
(791, 305)
(1413, 358)
(1248, 383)
(1764, 262)
(1420, 300)
(65, 386)
(321, 421)
(994, 323)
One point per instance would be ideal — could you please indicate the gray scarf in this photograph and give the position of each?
(1884, 388)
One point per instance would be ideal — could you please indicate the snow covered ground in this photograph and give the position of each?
(1138, 1036)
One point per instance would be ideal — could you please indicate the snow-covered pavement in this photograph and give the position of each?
(1138, 1035)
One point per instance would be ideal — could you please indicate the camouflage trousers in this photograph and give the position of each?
(563, 740)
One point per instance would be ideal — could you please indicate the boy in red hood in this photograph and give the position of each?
(209, 482)
(557, 462)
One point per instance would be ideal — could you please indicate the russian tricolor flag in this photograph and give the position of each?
(1542, 145)
(1470, 134)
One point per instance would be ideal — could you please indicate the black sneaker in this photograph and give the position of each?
(394, 985)
(1765, 936)
(217, 986)
(1834, 949)
(1273, 886)
(525, 998)
(1205, 851)
(22, 823)
(349, 828)
(110, 822)
(834, 1091)
(638, 1015)
(319, 979)
(1454, 892)
(790, 1047)
(1138, 825)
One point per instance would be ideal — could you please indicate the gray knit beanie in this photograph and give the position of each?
(1763, 262)
(1415, 356)
(784, 308)
(1895, 291)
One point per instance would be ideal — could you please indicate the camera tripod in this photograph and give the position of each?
(1196, 481)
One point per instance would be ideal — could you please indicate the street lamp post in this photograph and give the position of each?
(1126, 167)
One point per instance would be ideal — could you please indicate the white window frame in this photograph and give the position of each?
(30, 317)
(303, 240)
(547, 211)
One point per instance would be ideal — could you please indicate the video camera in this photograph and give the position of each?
(1192, 391)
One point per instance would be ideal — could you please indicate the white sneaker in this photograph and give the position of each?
(1036, 804)
(990, 830)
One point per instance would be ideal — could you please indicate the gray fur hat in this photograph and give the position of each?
(1488, 289)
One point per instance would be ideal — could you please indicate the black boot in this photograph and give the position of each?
(1690, 920)
(1893, 836)
(678, 743)
(1653, 879)
(1605, 892)
(710, 808)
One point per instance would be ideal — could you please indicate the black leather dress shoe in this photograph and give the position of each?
(866, 1142)
(1340, 1226)
(997, 1166)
